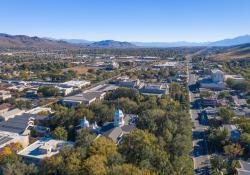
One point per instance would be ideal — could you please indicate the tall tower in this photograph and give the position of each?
(118, 118)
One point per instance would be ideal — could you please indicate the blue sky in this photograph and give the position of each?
(127, 20)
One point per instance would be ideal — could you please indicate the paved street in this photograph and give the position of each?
(200, 151)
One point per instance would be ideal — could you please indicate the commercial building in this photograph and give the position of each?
(130, 83)
(10, 114)
(103, 88)
(41, 149)
(84, 98)
(165, 65)
(8, 137)
(75, 84)
(151, 89)
(21, 124)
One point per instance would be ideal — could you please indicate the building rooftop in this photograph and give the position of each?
(245, 168)
(76, 83)
(84, 97)
(102, 88)
(43, 148)
(5, 106)
(8, 137)
(20, 123)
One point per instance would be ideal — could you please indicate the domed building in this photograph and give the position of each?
(122, 124)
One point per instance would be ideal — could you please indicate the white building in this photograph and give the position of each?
(166, 64)
(5, 95)
(236, 78)
(8, 137)
(216, 82)
(217, 75)
(119, 118)
(43, 148)
(75, 84)
(11, 114)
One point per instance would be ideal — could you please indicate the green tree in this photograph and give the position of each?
(60, 133)
(233, 150)
(226, 114)
(129, 169)
(84, 138)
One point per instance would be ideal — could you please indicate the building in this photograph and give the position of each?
(75, 84)
(84, 98)
(244, 168)
(122, 124)
(4, 108)
(31, 94)
(65, 90)
(112, 65)
(8, 137)
(4, 95)
(212, 102)
(234, 133)
(38, 110)
(215, 81)
(41, 149)
(154, 89)
(10, 114)
(217, 75)
(103, 88)
(165, 65)
(21, 124)
(130, 83)
(236, 78)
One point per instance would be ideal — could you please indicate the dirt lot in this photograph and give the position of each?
(78, 69)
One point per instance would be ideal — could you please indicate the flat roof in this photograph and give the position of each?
(33, 151)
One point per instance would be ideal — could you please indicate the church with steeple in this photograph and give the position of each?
(121, 124)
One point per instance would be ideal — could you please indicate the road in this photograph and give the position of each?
(200, 151)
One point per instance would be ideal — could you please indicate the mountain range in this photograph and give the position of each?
(21, 41)
(225, 42)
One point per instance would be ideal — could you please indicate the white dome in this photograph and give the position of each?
(84, 123)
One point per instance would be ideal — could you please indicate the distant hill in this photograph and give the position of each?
(112, 44)
(229, 52)
(232, 41)
(226, 42)
(78, 41)
(23, 41)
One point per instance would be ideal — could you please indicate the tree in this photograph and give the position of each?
(205, 94)
(19, 168)
(60, 133)
(143, 149)
(48, 91)
(233, 150)
(128, 169)
(218, 164)
(128, 106)
(84, 138)
(217, 138)
(96, 165)
(226, 114)
(103, 146)
(245, 140)
(52, 165)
